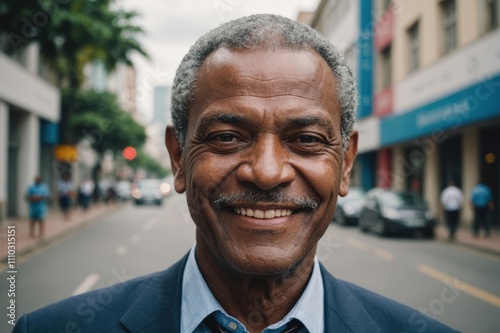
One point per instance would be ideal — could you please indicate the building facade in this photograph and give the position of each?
(29, 112)
(156, 128)
(429, 82)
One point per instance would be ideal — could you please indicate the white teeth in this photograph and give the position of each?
(262, 214)
(269, 214)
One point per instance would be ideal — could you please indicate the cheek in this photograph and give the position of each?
(322, 176)
(207, 176)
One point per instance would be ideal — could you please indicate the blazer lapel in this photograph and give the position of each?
(158, 307)
(343, 312)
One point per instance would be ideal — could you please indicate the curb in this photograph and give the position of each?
(478, 248)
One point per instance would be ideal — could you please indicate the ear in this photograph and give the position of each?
(176, 161)
(348, 163)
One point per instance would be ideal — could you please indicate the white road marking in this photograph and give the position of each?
(134, 239)
(384, 254)
(121, 250)
(357, 244)
(149, 224)
(478, 293)
(86, 284)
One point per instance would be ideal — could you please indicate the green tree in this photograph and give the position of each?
(99, 118)
(71, 33)
(147, 163)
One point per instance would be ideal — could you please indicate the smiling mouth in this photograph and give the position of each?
(262, 214)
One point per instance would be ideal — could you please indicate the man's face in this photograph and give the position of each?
(263, 164)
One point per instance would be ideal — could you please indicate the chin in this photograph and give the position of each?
(262, 261)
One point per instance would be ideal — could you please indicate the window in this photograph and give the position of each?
(491, 14)
(336, 13)
(449, 15)
(414, 47)
(386, 67)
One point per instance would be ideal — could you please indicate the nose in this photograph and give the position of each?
(268, 164)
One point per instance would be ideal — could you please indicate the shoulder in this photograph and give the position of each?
(101, 308)
(352, 302)
(140, 301)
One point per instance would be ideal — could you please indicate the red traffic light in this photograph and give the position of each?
(129, 153)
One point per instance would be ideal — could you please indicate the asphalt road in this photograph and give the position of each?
(456, 285)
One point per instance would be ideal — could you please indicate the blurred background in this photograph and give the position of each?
(85, 94)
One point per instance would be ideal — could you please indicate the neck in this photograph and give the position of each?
(260, 300)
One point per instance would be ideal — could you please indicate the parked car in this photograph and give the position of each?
(349, 207)
(391, 212)
(123, 190)
(148, 191)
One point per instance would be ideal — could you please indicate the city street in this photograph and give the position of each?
(457, 285)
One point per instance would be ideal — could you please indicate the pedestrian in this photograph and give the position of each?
(65, 192)
(451, 201)
(263, 143)
(482, 202)
(86, 191)
(38, 195)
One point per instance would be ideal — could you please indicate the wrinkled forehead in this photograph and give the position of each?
(265, 70)
(255, 61)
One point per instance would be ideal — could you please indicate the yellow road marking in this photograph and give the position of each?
(384, 254)
(460, 285)
(357, 244)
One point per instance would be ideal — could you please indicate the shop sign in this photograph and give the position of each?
(476, 103)
(66, 153)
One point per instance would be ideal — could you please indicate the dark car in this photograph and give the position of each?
(349, 207)
(389, 212)
(148, 191)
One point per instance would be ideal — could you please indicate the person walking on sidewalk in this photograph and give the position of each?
(65, 192)
(482, 202)
(37, 196)
(86, 190)
(451, 201)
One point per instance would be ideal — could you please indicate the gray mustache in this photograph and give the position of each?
(273, 196)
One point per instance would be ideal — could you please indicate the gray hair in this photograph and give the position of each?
(262, 31)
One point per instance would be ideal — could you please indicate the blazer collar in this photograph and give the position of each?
(159, 304)
(343, 311)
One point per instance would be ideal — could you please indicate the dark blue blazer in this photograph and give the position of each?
(153, 304)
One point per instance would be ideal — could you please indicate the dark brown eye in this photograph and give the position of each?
(224, 137)
(308, 139)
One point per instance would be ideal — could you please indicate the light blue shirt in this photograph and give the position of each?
(198, 302)
(38, 209)
(481, 195)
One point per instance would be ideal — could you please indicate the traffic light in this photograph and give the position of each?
(129, 153)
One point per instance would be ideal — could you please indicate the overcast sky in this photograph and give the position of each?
(172, 26)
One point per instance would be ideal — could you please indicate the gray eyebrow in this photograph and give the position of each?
(242, 120)
(309, 120)
(220, 117)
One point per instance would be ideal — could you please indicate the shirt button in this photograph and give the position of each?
(233, 325)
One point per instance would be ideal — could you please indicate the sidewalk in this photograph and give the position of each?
(464, 237)
(55, 227)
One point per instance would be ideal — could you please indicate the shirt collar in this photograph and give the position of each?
(198, 301)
